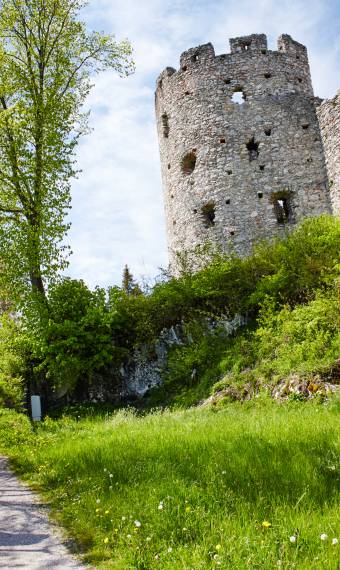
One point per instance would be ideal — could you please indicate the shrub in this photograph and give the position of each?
(13, 365)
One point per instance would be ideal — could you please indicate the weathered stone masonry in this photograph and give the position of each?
(329, 120)
(236, 172)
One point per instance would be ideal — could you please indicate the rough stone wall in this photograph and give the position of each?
(236, 172)
(329, 120)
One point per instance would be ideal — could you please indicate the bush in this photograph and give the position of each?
(75, 342)
(12, 364)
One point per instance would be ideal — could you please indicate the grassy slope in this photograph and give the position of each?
(218, 476)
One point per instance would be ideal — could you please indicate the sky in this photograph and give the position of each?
(117, 211)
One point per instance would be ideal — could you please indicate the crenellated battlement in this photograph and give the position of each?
(253, 43)
(247, 54)
(240, 144)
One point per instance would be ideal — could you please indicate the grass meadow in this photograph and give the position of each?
(250, 486)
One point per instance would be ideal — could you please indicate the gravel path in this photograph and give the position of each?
(27, 538)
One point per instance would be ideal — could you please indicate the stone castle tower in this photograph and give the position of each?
(241, 151)
(329, 121)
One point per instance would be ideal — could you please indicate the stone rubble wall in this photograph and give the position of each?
(329, 119)
(231, 197)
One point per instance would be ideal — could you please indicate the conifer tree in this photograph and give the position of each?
(129, 285)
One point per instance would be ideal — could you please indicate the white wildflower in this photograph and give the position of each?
(323, 536)
(334, 541)
(170, 549)
(138, 524)
(292, 538)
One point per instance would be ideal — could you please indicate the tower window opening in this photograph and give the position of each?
(253, 149)
(195, 211)
(232, 233)
(169, 166)
(165, 123)
(299, 80)
(189, 163)
(264, 51)
(208, 213)
(267, 132)
(227, 81)
(239, 96)
(227, 201)
(282, 207)
(305, 126)
(229, 172)
(267, 75)
(184, 68)
(246, 47)
(222, 141)
(194, 57)
(260, 195)
(261, 167)
(186, 92)
(297, 57)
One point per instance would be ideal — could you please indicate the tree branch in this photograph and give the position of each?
(62, 27)
(14, 162)
(76, 69)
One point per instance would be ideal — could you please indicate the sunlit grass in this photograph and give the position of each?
(247, 487)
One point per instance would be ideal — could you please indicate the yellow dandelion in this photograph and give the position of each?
(107, 512)
(266, 524)
(187, 509)
(106, 540)
(218, 547)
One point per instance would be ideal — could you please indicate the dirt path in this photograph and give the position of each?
(27, 538)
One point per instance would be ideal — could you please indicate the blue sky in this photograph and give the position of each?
(117, 209)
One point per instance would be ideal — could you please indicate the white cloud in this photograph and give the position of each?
(117, 214)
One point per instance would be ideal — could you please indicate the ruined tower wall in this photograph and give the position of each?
(234, 173)
(329, 120)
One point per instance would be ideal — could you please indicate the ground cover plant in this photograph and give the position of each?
(250, 486)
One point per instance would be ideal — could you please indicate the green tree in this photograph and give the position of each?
(129, 285)
(47, 59)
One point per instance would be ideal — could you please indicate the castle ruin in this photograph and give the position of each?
(242, 155)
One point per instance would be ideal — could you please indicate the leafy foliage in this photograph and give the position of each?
(46, 60)
(13, 364)
(75, 341)
(87, 335)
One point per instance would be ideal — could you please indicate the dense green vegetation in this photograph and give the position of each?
(286, 290)
(242, 482)
(249, 486)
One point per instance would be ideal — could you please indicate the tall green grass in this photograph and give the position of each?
(195, 489)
